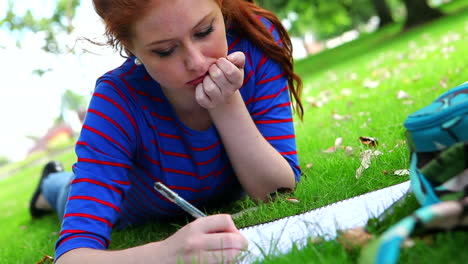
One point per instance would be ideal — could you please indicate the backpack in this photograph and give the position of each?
(437, 138)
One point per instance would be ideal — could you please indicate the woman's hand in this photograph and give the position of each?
(211, 239)
(224, 78)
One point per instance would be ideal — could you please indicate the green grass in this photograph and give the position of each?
(423, 62)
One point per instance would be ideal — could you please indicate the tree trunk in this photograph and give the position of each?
(419, 12)
(383, 12)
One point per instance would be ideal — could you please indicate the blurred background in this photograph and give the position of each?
(48, 68)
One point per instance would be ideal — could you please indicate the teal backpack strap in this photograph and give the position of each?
(444, 215)
(422, 188)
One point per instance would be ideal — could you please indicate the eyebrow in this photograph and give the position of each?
(167, 40)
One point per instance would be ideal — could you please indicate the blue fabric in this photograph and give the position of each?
(55, 188)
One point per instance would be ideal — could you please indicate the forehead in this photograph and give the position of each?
(168, 16)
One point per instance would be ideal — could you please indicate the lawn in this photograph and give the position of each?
(363, 88)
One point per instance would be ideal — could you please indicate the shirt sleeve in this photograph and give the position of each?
(104, 150)
(269, 102)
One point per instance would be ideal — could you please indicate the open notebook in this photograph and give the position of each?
(278, 236)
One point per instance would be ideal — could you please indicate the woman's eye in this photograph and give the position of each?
(163, 53)
(205, 32)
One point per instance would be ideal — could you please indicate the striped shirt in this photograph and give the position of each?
(132, 138)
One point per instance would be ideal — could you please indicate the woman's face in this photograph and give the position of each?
(178, 40)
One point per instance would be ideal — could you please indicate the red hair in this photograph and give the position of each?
(119, 16)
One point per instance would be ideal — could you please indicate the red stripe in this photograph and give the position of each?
(76, 231)
(280, 137)
(117, 90)
(105, 163)
(208, 161)
(220, 171)
(119, 107)
(251, 100)
(106, 137)
(110, 187)
(249, 58)
(180, 172)
(234, 43)
(169, 135)
(161, 117)
(205, 148)
(90, 216)
(271, 79)
(249, 75)
(268, 109)
(89, 198)
(129, 87)
(263, 59)
(121, 182)
(76, 236)
(82, 143)
(272, 27)
(159, 100)
(170, 153)
(274, 121)
(152, 160)
(110, 120)
(288, 152)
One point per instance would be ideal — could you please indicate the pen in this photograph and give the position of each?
(169, 194)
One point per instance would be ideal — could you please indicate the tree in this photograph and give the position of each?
(71, 101)
(419, 12)
(383, 12)
(59, 22)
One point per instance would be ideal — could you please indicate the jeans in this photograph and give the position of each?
(55, 188)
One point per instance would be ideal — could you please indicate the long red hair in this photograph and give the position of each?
(119, 16)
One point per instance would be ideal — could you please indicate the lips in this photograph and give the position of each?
(197, 80)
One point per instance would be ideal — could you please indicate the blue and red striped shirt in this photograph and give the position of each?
(132, 138)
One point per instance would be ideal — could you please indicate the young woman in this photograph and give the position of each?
(203, 105)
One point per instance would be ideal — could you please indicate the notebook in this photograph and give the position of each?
(279, 236)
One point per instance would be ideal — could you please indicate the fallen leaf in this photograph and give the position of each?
(369, 141)
(402, 95)
(292, 200)
(349, 151)
(368, 83)
(366, 161)
(354, 237)
(333, 148)
(401, 172)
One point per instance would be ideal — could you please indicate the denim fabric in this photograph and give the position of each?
(55, 188)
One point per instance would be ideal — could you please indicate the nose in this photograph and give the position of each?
(195, 59)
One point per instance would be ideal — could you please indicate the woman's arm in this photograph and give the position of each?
(211, 239)
(259, 167)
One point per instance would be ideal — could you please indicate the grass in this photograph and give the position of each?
(358, 81)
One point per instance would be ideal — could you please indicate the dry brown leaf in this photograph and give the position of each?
(366, 161)
(354, 237)
(333, 148)
(292, 200)
(369, 141)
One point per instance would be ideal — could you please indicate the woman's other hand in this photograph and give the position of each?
(211, 239)
(224, 78)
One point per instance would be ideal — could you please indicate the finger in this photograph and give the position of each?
(201, 97)
(216, 223)
(233, 74)
(237, 58)
(212, 90)
(218, 76)
(222, 241)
